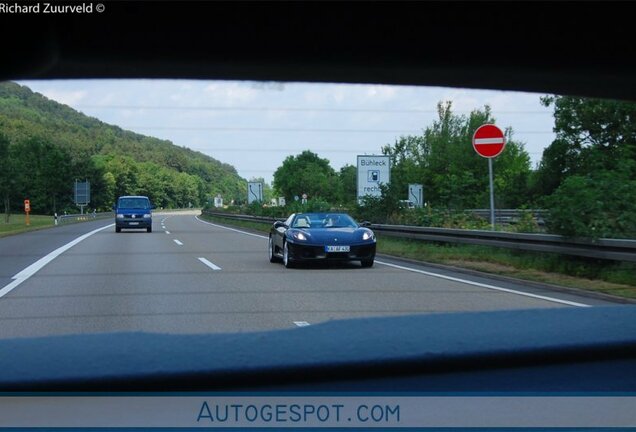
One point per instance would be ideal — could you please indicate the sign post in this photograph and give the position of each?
(489, 142)
(27, 210)
(304, 200)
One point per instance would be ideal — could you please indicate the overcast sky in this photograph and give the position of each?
(254, 126)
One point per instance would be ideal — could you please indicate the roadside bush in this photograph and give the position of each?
(599, 205)
(526, 224)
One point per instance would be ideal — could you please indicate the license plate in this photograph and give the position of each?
(133, 223)
(337, 248)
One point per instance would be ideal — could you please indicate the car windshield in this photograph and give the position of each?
(134, 203)
(230, 166)
(323, 220)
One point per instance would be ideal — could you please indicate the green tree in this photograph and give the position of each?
(109, 188)
(347, 187)
(55, 171)
(453, 175)
(588, 172)
(409, 163)
(125, 171)
(512, 175)
(306, 173)
(186, 190)
(151, 184)
(592, 134)
(42, 173)
(7, 173)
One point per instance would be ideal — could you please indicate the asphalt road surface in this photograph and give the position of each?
(189, 276)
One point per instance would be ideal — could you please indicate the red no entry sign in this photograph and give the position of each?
(489, 141)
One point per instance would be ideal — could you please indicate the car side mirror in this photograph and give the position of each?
(279, 224)
(365, 224)
(114, 208)
(152, 207)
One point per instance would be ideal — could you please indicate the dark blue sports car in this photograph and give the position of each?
(321, 236)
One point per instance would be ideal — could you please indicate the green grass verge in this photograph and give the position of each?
(618, 279)
(603, 276)
(17, 224)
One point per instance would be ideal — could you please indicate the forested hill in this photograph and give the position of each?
(45, 146)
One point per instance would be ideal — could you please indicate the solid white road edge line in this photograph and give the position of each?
(178, 242)
(36, 266)
(231, 229)
(209, 264)
(551, 299)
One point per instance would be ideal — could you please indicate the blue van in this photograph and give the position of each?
(133, 212)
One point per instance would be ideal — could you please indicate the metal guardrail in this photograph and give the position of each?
(240, 217)
(72, 218)
(611, 249)
(511, 216)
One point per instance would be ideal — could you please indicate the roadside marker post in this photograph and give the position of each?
(27, 210)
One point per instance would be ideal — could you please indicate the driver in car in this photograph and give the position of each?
(330, 221)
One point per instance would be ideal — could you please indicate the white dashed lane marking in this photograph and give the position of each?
(301, 323)
(209, 264)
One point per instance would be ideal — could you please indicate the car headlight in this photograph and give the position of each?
(368, 235)
(120, 216)
(299, 236)
(147, 215)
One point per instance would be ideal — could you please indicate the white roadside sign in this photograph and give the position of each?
(372, 172)
(416, 194)
(254, 192)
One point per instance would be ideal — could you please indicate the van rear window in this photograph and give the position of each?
(134, 203)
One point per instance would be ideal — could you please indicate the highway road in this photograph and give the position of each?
(189, 276)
